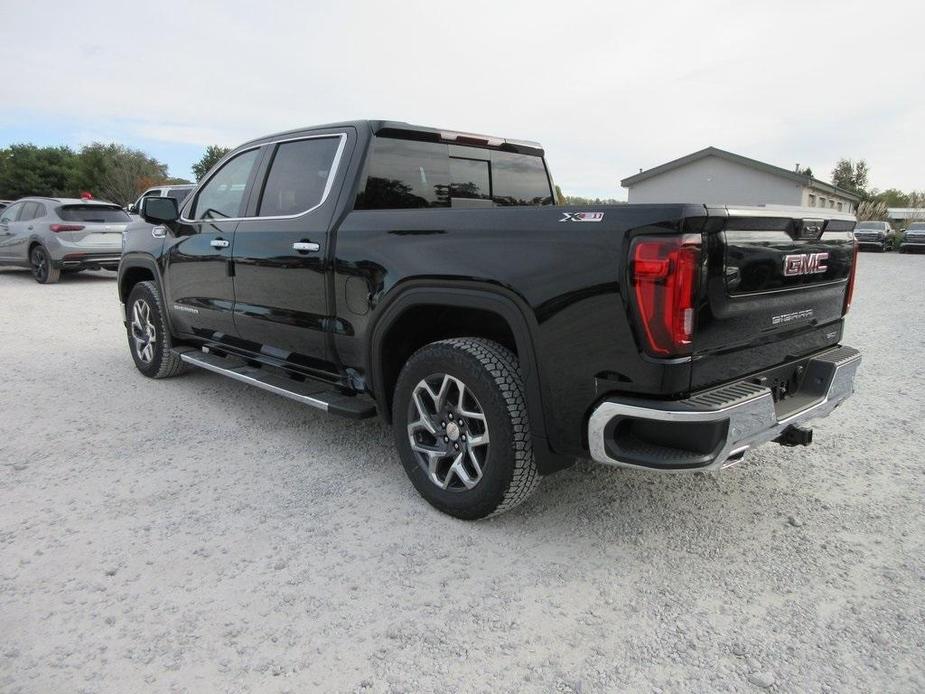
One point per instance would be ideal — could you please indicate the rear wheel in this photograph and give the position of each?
(149, 337)
(460, 425)
(42, 270)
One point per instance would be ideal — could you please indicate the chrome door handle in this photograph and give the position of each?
(306, 247)
(219, 243)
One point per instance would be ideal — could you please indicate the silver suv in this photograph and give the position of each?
(51, 235)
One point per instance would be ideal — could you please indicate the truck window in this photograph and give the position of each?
(406, 174)
(403, 174)
(298, 176)
(469, 178)
(223, 195)
(519, 179)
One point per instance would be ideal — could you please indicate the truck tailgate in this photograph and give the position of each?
(775, 286)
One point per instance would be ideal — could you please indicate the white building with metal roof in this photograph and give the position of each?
(715, 176)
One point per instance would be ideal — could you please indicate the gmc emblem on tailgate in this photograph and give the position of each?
(805, 264)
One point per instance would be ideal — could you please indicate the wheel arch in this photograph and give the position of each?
(503, 310)
(133, 270)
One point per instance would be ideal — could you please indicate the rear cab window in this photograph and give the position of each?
(405, 174)
(103, 214)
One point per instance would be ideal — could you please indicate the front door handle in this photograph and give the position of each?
(219, 243)
(306, 247)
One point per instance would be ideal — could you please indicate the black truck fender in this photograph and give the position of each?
(466, 294)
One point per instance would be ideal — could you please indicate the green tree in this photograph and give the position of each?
(891, 197)
(851, 175)
(805, 170)
(210, 158)
(26, 169)
(116, 172)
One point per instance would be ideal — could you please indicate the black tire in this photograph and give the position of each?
(491, 377)
(40, 264)
(158, 361)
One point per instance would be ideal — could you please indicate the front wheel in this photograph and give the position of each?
(460, 423)
(149, 337)
(42, 270)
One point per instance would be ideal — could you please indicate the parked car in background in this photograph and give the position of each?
(876, 235)
(913, 239)
(177, 192)
(51, 235)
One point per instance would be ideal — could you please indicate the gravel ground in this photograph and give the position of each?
(197, 535)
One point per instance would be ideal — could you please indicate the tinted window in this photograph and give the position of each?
(405, 173)
(298, 176)
(93, 213)
(223, 195)
(469, 178)
(11, 213)
(40, 210)
(179, 194)
(519, 179)
(877, 226)
(918, 226)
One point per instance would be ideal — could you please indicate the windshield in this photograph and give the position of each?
(918, 226)
(93, 213)
(875, 226)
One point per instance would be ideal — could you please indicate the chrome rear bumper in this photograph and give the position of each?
(733, 418)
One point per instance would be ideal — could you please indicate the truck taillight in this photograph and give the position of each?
(664, 273)
(65, 227)
(849, 291)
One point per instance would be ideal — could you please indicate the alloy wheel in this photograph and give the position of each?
(39, 264)
(448, 432)
(144, 336)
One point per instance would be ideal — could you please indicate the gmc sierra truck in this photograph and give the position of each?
(429, 277)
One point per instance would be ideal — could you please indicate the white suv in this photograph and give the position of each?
(177, 192)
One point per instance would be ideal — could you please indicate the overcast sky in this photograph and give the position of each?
(607, 87)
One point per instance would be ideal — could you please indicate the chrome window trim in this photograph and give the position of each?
(329, 184)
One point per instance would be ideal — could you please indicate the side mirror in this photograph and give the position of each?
(132, 209)
(159, 210)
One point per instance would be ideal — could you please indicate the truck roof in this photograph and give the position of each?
(422, 132)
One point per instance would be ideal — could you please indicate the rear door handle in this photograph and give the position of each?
(219, 243)
(306, 247)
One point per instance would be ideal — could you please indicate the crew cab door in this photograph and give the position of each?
(197, 277)
(281, 250)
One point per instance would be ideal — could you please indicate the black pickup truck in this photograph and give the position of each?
(429, 276)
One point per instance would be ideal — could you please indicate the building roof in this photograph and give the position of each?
(744, 161)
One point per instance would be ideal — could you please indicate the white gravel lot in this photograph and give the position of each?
(197, 535)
